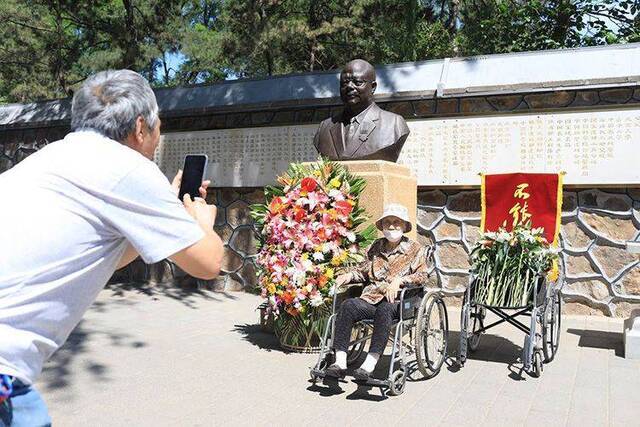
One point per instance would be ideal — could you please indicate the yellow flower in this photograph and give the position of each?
(305, 256)
(554, 272)
(336, 261)
(335, 183)
(271, 288)
(329, 273)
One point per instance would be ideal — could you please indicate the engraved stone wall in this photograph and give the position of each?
(593, 148)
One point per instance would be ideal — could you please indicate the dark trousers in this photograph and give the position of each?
(356, 309)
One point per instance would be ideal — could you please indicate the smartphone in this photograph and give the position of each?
(192, 175)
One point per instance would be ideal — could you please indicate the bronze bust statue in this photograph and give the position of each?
(363, 131)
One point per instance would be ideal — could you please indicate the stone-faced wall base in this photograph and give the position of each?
(601, 278)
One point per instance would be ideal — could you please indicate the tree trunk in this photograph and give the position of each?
(452, 24)
(130, 38)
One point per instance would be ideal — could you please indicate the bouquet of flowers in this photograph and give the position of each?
(307, 233)
(508, 265)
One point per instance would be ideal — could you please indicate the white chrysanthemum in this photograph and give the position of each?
(503, 236)
(316, 300)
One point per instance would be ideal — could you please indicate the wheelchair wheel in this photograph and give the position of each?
(551, 328)
(355, 351)
(477, 315)
(432, 327)
(473, 322)
(536, 366)
(398, 381)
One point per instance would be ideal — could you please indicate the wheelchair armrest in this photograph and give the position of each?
(410, 291)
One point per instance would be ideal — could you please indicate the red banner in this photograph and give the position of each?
(517, 198)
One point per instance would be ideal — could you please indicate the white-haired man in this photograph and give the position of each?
(76, 211)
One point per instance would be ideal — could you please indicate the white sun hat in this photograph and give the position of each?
(397, 210)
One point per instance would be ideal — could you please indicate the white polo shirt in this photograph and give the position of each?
(66, 214)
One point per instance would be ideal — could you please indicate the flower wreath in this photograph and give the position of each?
(309, 231)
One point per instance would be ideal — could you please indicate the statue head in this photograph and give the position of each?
(357, 85)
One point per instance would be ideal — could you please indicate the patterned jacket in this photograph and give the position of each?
(409, 260)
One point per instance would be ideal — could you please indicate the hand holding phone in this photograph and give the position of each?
(204, 214)
(192, 175)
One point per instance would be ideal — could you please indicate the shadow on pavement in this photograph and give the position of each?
(599, 339)
(328, 387)
(59, 370)
(492, 348)
(185, 294)
(366, 392)
(256, 336)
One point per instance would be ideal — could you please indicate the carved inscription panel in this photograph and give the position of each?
(600, 147)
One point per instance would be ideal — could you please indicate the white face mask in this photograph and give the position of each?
(392, 235)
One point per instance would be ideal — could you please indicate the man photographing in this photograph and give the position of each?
(74, 212)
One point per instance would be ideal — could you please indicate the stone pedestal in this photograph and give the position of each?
(387, 182)
(631, 335)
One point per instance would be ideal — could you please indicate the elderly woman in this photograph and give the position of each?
(392, 262)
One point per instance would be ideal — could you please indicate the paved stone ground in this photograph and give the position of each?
(163, 356)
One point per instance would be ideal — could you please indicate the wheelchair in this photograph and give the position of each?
(422, 316)
(542, 335)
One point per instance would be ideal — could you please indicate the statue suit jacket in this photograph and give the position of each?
(380, 136)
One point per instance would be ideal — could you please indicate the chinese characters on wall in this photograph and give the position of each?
(598, 147)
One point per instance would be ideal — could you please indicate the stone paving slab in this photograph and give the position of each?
(163, 356)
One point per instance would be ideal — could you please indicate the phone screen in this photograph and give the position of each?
(192, 175)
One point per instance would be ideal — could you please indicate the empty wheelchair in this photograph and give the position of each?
(542, 335)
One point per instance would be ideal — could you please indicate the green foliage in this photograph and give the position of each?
(498, 26)
(49, 47)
